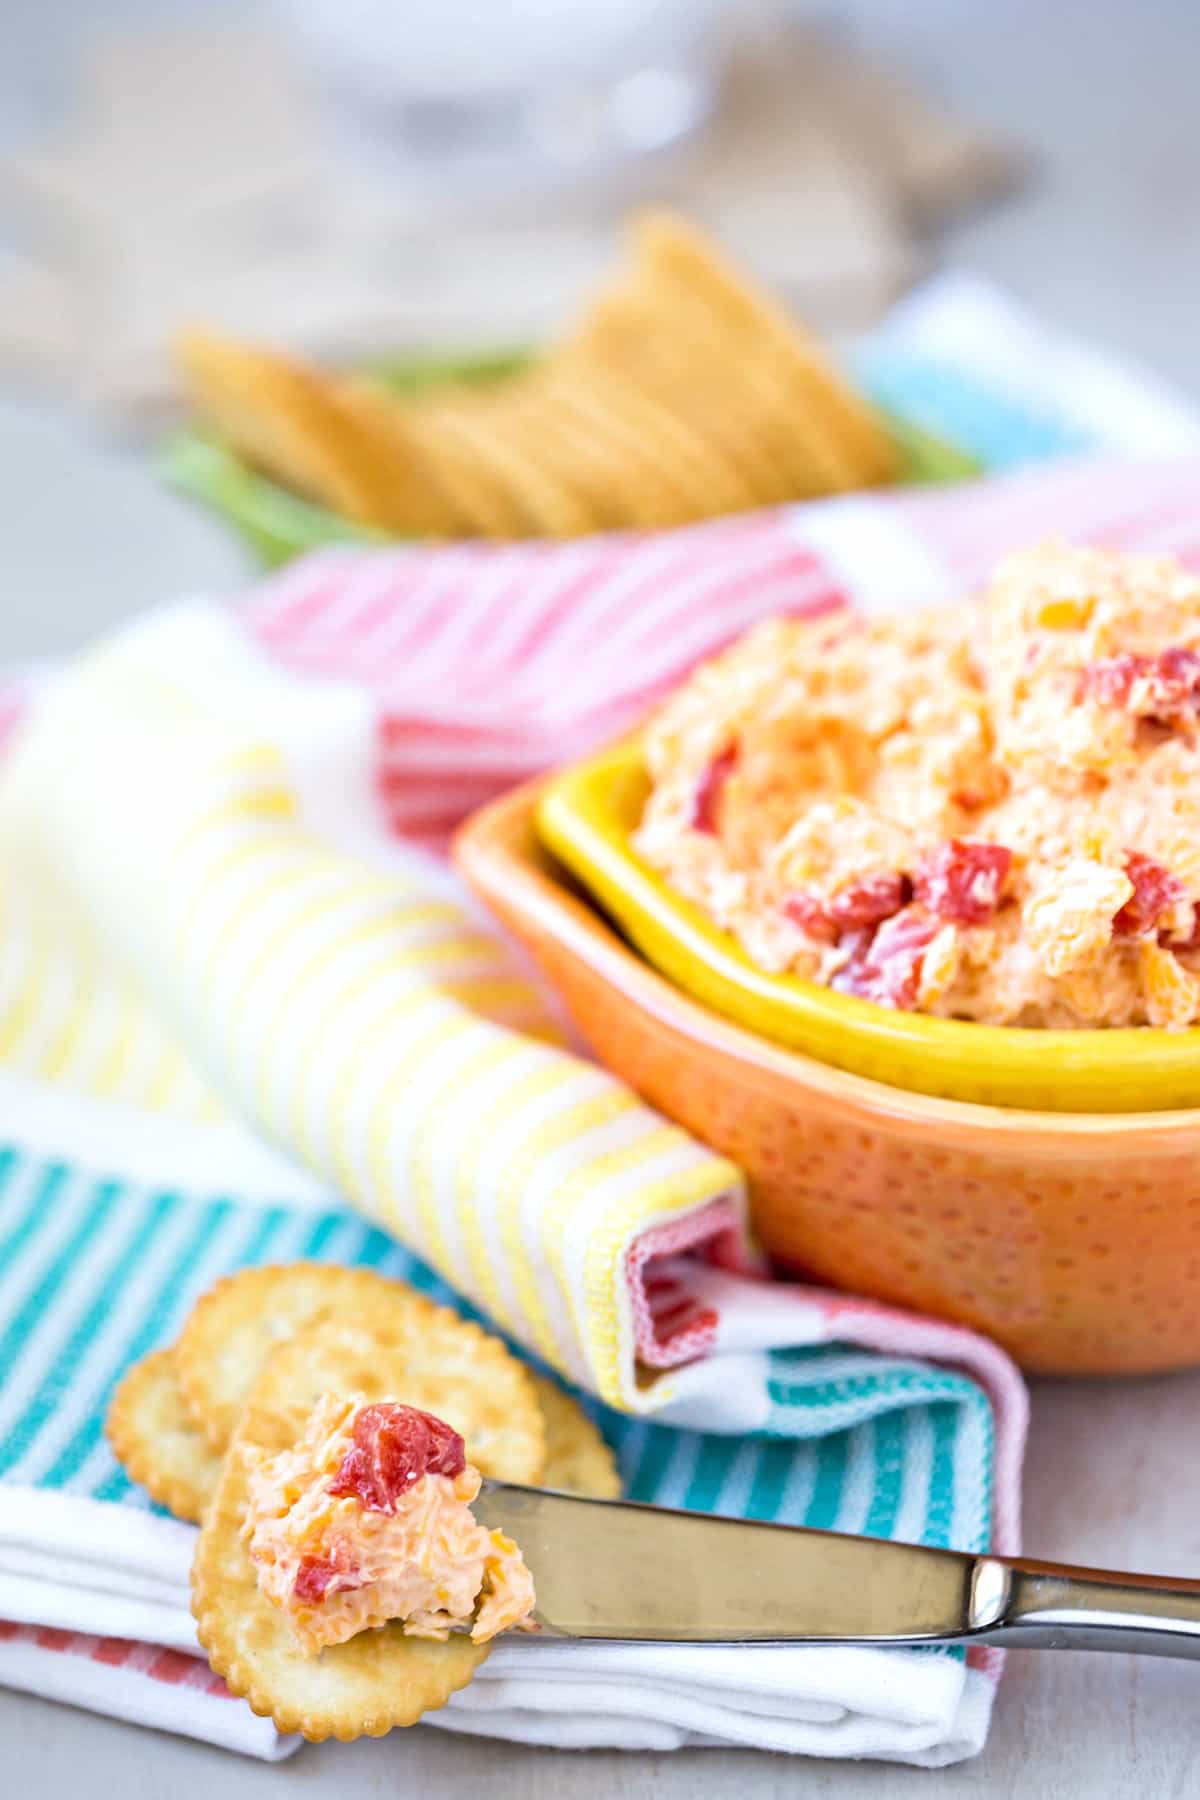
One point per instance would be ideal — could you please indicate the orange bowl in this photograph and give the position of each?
(1073, 1239)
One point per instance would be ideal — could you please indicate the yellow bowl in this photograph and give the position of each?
(586, 816)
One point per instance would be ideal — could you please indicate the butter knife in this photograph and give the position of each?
(614, 1570)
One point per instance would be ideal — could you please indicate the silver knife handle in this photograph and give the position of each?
(1049, 1606)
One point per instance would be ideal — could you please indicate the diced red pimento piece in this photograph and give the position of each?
(855, 907)
(1164, 688)
(1155, 892)
(962, 881)
(393, 1447)
(1177, 673)
(886, 966)
(706, 801)
(870, 901)
(1190, 942)
(1176, 939)
(812, 916)
(1110, 682)
(316, 1575)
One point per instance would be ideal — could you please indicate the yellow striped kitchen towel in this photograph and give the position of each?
(203, 910)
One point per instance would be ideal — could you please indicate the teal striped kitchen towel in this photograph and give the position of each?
(96, 1270)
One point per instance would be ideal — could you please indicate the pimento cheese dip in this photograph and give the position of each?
(368, 1519)
(990, 811)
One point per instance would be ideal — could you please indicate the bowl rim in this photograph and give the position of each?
(579, 820)
(499, 853)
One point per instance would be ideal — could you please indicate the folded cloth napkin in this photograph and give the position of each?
(210, 918)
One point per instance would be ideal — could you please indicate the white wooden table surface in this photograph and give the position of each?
(1109, 241)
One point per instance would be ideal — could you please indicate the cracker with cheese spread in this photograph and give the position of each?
(341, 1584)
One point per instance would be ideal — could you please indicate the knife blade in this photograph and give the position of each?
(619, 1571)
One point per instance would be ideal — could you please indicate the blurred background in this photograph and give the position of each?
(349, 177)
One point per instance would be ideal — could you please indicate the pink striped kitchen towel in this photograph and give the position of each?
(487, 663)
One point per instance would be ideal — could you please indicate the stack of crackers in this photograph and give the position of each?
(257, 1353)
(683, 394)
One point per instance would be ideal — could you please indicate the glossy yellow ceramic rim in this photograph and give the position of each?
(585, 817)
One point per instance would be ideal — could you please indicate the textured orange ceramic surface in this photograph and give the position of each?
(1073, 1239)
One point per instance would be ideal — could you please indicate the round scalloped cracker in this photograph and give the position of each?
(610, 490)
(409, 498)
(292, 420)
(578, 1459)
(778, 446)
(512, 422)
(658, 468)
(791, 441)
(855, 446)
(238, 1324)
(469, 466)
(362, 1688)
(156, 1443)
(431, 1359)
(380, 1678)
(235, 1326)
(681, 350)
(706, 480)
(668, 353)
